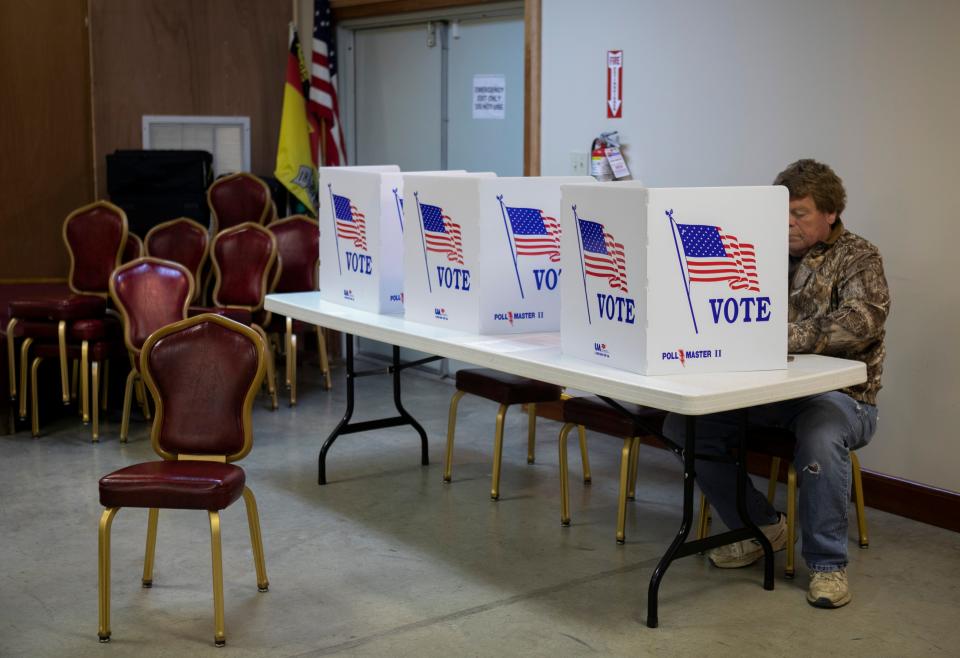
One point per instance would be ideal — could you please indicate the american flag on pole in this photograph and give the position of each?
(602, 255)
(351, 223)
(534, 233)
(713, 255)
(441, 233)
(323, 85)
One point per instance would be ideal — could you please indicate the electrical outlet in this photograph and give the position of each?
(579, 163)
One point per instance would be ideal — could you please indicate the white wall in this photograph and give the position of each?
(729, 92)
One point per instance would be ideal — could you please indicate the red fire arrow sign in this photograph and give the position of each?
(614, 84)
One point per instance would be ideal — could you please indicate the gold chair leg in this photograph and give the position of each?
(103, 572)
(85, 381)
(271, 367)
(774, 476)
(564, 486)
(24, 369)
(634, 467)
(584, 457)
(789, 572)
(531, 433)
(12, 357)
(622, 496)
(106, 384)
(127, 402)
(256, 540)
(286, 346)
(95, 404)
(219, 636)
(151, 548)
(292, 367)
(74, 379)
(858, 499)
(324, 360)
(34, 404)
(451, 427)
(62, 344)
(703, 523)
(143, 398)
(497, 453)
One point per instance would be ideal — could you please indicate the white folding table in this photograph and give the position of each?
(538, 356)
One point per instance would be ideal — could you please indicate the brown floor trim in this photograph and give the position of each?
(912, 500)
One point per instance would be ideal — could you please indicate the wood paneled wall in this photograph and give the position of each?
(46, 164)
(209, 57)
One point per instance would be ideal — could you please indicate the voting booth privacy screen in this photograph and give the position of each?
(673, 280)
(482, 254)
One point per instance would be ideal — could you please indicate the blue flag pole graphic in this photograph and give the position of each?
(336, 234)
(399, 208)
(683, 274)
(583, 270)
(503, 211)
(423, 242)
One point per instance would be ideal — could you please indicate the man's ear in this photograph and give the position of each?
(831, 218)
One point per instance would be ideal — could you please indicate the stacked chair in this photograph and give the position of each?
(183, 241)
(239, 198)
(203, 373)
(298, 246)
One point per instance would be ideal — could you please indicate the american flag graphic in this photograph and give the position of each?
(323, 84)
(351, 223)
(441, 233)
(534, 233)
(602, 255)
(713, 255)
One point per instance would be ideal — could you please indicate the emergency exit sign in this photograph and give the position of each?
(614, 84)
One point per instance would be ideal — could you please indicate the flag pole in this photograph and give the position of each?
(426, 267)
(399, 208)
(510, 243)
(583, 270)
(336, 236)
(686, 286)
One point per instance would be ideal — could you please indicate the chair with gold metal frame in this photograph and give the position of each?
(298, 246)
(596, 415)
(780, 444)
(149, 293)
(203, 373)
(133, 248)
(95, 236)
(245, 270)
(183, 241)
(507, 390)
(239, 198)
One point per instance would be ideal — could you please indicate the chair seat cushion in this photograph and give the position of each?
(107, 327)
(98, 350)
(173, 485)
(505, 388)
(773, 441)
(598, 416)
(71, 307)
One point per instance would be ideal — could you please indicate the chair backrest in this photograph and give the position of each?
(183, 241)
(133, 249)
(150, 293)
(243, 258)
(95, 236)
(239, 198)
(204, 373)
(298, 245)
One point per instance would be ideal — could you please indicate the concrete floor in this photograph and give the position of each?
(388, 561)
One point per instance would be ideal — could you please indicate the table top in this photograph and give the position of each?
(538, 355)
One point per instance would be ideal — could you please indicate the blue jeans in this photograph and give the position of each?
(827, 426)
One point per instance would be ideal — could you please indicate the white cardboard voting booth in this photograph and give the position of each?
(485, 253)
(672, 280)
(352, 235)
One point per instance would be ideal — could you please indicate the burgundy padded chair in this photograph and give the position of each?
(133, 249)
(780, 444)
(508, 390)
(245, 270)
(149, 293)
(298, 246)
(95, 236)
(183, 241)
(239, 198)
(596, 415)
(203, 373)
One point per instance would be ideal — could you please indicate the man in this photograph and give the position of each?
(838, 302)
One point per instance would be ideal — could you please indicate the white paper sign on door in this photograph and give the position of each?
(489, 96)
